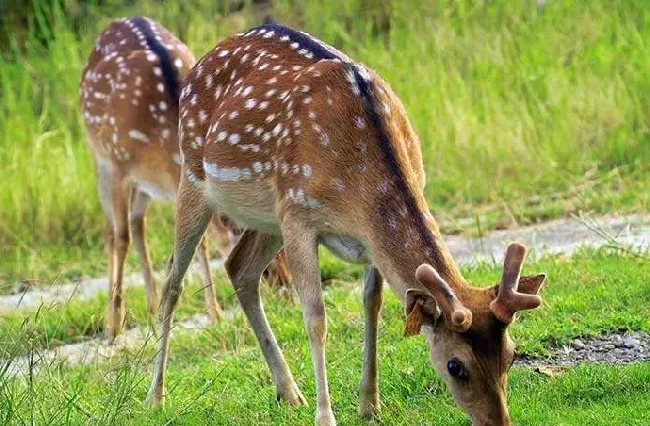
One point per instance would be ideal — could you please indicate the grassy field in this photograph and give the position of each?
(524, 112)
(218, 375)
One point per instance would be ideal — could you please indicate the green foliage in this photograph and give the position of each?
(523, 112)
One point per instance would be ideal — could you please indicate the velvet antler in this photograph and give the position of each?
(509, 298)
(457, 317)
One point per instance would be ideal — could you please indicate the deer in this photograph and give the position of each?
(301, 146)
(129, 95)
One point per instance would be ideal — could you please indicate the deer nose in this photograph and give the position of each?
(493, 422)
(497, 415)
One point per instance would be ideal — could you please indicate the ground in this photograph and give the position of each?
(217, 374)
(525, 113)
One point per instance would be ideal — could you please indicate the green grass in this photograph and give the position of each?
(524, 113)
(218, 375)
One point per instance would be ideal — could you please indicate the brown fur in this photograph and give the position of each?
(131, 123)
(330, 157)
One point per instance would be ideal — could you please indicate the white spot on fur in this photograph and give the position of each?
(138, 136)
(233, 139)
(338, 184)
(226, 174)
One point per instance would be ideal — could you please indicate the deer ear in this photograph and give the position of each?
(419, 304)
(531, 284)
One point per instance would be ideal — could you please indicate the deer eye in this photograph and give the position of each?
(456, 368)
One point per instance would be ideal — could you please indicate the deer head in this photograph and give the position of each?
(466, 331)
(224, 233)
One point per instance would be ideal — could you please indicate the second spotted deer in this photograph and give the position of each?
(302, 146)
(129, 95)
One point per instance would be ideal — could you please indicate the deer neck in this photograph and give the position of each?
(400, 246)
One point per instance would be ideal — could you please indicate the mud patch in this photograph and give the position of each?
(97, 350)
(609, 348)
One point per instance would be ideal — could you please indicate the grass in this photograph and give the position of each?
(524, 112)
(218, 375)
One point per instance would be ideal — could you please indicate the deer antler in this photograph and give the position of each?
(457, 317)
(509, 300)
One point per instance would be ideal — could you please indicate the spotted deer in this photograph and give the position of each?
(302, 146)
(129, 96)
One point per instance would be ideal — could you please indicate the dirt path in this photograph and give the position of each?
(560, 236)
(64, 293)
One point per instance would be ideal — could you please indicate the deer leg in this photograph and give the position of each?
(372, 301)
(192, 218)
(277, 276)
(105, 192)
(301, 246)
(109, 249)
(139, 203)
(120, 197)
(245, 265)
(214, 310)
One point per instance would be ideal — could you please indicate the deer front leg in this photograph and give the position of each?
(192, 218)
(214, 310)
(109, 248)
(302, 253)
(120, 196)
(138, 210)
(245, 265)
(372, 301)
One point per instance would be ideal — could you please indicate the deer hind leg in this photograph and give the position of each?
(105, 192)
(109, 249)
(120, 196)
(278, 277)
(372, 301)
(301, 246)
(211, 304)
(192, 218)
(139, 204)
(245, 265)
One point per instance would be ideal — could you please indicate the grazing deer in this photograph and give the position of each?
(129, 95)
(301, 146)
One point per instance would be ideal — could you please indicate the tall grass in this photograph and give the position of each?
(516, 105)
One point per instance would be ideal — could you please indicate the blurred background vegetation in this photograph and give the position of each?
(526, 110)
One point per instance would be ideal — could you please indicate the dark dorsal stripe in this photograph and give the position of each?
(321, 51)
(169, 73)
(367, 93)
(318, 48)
